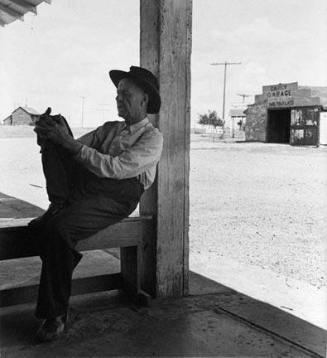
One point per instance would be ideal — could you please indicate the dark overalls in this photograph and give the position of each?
(89, 204)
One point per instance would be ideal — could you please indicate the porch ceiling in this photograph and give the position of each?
(11, 10)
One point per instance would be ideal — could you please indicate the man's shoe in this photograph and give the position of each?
(51, 329)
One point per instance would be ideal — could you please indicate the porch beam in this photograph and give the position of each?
(28, 6)
(11, 12)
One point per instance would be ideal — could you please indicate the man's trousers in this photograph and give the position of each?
(89, 204)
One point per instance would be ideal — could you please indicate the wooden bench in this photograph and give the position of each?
(128, 235)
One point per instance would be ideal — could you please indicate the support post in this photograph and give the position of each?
(165, 49)
(224, 92)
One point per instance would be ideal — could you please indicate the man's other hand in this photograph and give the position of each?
(53, 129)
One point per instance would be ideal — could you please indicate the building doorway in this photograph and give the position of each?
(278, 127)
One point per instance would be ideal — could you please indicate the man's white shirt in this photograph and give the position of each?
(116, 151)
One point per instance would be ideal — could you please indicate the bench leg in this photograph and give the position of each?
(128, 264)
(143, 298)
(131, 271)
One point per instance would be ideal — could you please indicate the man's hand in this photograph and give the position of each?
(53, 128)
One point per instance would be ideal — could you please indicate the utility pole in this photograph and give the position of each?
(243, 95)
(83, 98)
(225, 64)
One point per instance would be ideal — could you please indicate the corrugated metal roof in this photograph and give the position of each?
(11, 10)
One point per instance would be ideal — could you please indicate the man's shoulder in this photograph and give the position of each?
(152, 137)
(152, 132)
(150, 128)
(110, 125)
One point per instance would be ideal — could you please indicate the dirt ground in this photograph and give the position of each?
(257, 216)
(263, 204)
(258, 221)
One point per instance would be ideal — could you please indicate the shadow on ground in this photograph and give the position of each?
(14, 208)
(213, 321)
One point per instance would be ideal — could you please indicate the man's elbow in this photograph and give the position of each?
(118, 172)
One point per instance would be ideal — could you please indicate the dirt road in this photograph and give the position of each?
(263, 204)
(258, 222)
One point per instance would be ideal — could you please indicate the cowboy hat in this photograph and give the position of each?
(143, 79)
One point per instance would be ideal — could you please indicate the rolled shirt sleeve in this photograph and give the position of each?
(92, 139)
(88, 139)
(134, 161)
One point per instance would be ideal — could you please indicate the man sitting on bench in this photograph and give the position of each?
(92, 182)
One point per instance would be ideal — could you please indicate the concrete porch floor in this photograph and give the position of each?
(213, 321)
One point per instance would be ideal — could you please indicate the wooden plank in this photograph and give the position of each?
(165, 49)
(15, 243)
(98, 283)
(12, 12)
(124, 234)
(25, 294)
(27, 6)
(148, 269)
(128, 262)
(149, 58)
(6, 224)
(187, 144)
(134, 267)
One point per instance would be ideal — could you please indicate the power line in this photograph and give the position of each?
(225, 64)
(83, 98)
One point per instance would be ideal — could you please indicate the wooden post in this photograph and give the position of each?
(165, 49)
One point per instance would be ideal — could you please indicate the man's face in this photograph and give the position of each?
(130, 101)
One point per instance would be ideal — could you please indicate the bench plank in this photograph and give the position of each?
(131, 235)
(26, 294)
(15, 243)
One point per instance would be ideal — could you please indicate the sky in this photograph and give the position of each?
(61, 57)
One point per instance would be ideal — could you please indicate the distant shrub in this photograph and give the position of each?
(211, 119)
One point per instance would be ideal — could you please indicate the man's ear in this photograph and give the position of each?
(146, 99)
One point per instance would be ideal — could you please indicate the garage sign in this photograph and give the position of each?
(280, 95)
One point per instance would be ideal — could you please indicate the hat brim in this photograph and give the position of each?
(154, 96)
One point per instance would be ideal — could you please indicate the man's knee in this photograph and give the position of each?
(59, 240)
(55, 230)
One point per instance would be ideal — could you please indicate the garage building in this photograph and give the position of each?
(288, 113)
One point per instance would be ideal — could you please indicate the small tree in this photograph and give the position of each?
(211, 119)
